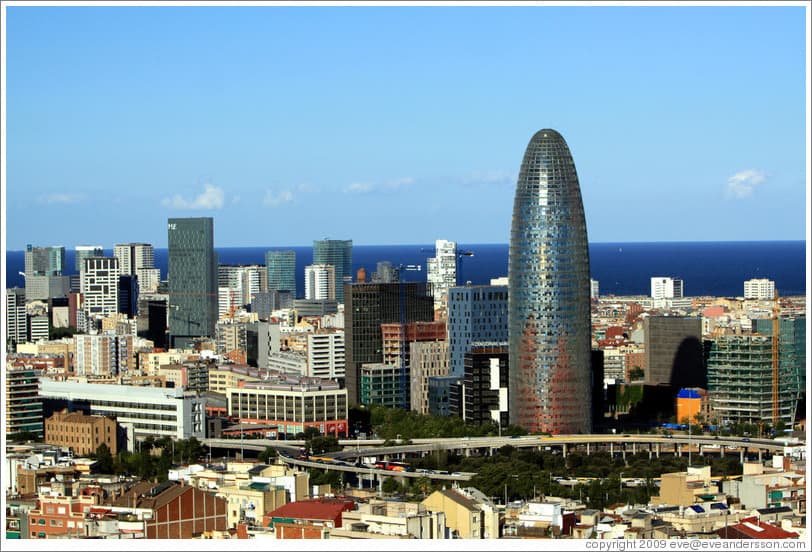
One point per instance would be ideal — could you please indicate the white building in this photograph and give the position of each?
(15, 315)
(442, 270)
(325, 354)
(759, 288)
(666, 288)
(149, 411)
(320, 282)
(228, 301)
(594, 289)
(138, 259)
(99, 284)
(247, 280)
(102, 355)
(82, 252)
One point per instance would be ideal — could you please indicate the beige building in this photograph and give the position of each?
(394, 520)
(249, 502)
(463, 516)
(103, 355)
(428, 359)
(150, 363)
(84, 434)
(686, 488)
(222, 377)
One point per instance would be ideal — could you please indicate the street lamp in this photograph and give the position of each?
(506, 480)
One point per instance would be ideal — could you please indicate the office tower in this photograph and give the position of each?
(320, 282)
(44, 261)
(385, 273)
(15, 318)
(23, 405)
(444, 395)
(100, 285)
(594, 289)
(441, 270)
(138, 259)
(128, 295)
(367, 307)
(666, 288)
(43, 288)
(475, 313)
(281, 267)
(85, 251)
(791, 351)
(485, 388)
(429, 359)
(548, 293)
(740, 381)
(397, 339)
(673, 351)
(339, 254)
(759, 288)
(192, 280)
(326, 354)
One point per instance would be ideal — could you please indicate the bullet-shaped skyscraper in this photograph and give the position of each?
(548, 294)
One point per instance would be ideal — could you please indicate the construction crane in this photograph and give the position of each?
(776, 332)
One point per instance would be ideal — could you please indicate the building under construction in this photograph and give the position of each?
(741, 382)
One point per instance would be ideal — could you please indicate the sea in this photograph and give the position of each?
(706, 268)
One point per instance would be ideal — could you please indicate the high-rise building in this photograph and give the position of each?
(475, 313)
(44, 261)
(385, 273)
(192, 279)
(759, 288)
(339, 254)
(99, 281)
(548, 294)
(666, 288)
(138, 259)
(320, 282)
(128, 295)
(281, 267)
(103, 355)
(246, 280)
(326, 356)
(441, 270)
(367, 307)
(23, 406)
(428, 359)
(15, 318)
(791, 350)
(594, 289)
(485, 388)
(740, 381)
(673, 351)
(85, 251)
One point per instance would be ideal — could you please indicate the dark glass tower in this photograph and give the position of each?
(192, 279)
(281, 267)
(548, 294)
(339, 254)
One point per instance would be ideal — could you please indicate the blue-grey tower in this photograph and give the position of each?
(192, 274)
(548, 294)
(339, 254)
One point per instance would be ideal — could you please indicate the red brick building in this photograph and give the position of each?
(307, 519)
(179, 511)
(59, 516)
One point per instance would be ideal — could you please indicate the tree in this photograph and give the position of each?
(267, 455)
(104, 459)
(391, 486)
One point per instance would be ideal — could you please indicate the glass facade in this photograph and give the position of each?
(281, 267)
(339, 254)
(475, 313)
(548, 293)
(192, 279)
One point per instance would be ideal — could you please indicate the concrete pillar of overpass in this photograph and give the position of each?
(564, 450)
(741, 456)
(490, 451)
(611, 450)
(701, 452)
(650, 451)
(587, 448)
(467, 451)
(759, 456)
(623, 451)
(634, 448)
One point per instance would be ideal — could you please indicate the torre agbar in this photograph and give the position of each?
(548, 294)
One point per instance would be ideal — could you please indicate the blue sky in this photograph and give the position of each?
(400, 125)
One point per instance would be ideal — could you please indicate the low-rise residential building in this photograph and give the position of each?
(59, 516)
(462, 514)
(308, 519)
(249, 502)
(687, 488)
(389, 519)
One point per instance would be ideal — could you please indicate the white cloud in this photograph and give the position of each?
(211, 198)
(274, 200)
(742, 184)
(488, 178)
(399, 183)
(359, 188)
(52, 199)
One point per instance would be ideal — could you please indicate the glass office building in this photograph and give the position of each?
(548, 294)
(192, 279)
(281, 267)
(339, 254)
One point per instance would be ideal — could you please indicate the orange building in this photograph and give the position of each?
(59, 516)
(81, 433)
(691, 402)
